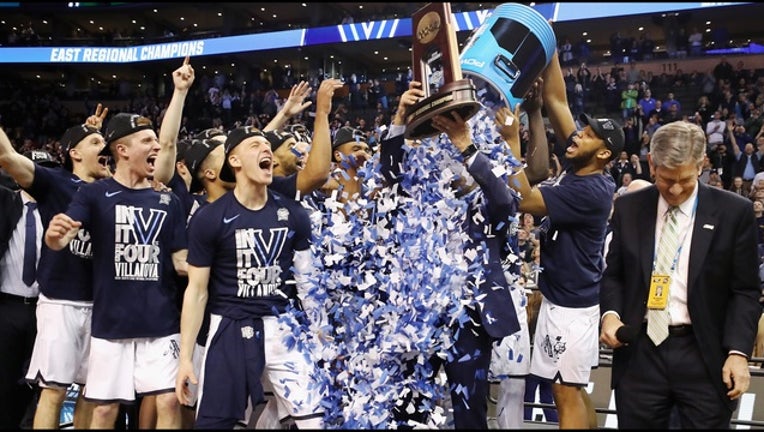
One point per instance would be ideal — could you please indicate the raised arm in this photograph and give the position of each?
(15, 164)
(733, 141)
(537, 153)
(294, 105)
(182, 78)
(556, 100)
(96, 120)
(391, 153)
(531, 200)
(502, 202)
(316, 170)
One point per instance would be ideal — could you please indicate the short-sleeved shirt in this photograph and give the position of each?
(134, 234)
(249, 252)
(64, 274)
(572, 237)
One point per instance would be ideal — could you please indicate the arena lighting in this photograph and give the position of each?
(353, 32)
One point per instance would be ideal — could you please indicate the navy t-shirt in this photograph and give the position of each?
(178, 186)
(572, 237)
(285, 185)
(249, 252)
(64, 274)
(134, 233)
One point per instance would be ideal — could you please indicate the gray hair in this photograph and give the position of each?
(678, 143)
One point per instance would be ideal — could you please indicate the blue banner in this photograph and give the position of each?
(355, 32)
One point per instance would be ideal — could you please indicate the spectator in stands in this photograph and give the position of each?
(647, 102)
(715, 131)
(738, 188)
(647, 45)
(653, 123)
(644, 149)
(708, 84)
(583, 50)
(672, 115)
(747, 163)
(723, 70)
(696, 42)
(631, 133)
(723, 162)
(577, 102)
(612, 94)
(705, 110)
(620, 166)
(566, 52)
(628, 101)
(705, 170)
(741, 136)
(670, 101)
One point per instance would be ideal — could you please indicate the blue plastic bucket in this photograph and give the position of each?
(506, 54)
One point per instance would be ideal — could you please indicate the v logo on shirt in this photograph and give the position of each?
(145, 228)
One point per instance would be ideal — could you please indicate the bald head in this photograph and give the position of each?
(637, 184)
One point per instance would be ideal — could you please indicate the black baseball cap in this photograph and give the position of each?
(235, 137)
(195, 155)
(300, 132)
(181, 149)
(209, 133)
(72, 137)
(122, 125)
(41, 157)
(277, 139)
(347, 134)
(609, 131)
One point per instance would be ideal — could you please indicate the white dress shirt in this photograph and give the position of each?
(11, 264)
(677, 305)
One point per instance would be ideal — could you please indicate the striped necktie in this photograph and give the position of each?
(658, 319)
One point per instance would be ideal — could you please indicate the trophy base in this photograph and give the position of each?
(459, 96)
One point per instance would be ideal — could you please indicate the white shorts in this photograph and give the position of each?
(62, 345)
(122, 368)
(511, 356)
(288, 372)
(196, 360)
(566, 343)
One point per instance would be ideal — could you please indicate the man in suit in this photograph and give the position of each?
(491, 320)
(697, 361)
(18, 300)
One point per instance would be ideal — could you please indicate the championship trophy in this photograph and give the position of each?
(435, 56)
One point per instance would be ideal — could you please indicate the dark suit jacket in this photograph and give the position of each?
(723, 280)
(11, 208)
(497, 313)
(743, 161)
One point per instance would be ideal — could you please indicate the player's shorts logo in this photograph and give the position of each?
(247, 332)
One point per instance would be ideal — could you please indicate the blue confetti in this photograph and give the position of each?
(386, 285)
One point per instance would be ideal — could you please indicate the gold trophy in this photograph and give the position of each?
(435, 57)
